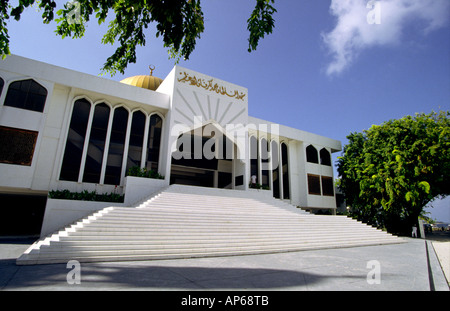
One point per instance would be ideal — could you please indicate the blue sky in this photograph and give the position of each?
(324, 69)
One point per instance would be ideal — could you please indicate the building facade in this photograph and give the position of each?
(65, 130)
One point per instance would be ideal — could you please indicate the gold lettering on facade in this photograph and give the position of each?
(209, 85)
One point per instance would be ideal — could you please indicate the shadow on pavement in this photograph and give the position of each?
(96, 276)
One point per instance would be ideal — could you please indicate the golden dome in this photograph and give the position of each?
(146, 82)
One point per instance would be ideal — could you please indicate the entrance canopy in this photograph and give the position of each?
(207, 157)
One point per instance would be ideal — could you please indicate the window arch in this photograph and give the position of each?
(73, 153)
(26, 94)
(116, 146)
(311, 154)
(325, 157)
(97, 142)
(103, 142)
(136, 143)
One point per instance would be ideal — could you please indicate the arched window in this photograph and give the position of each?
(154, 142)
(311, 154)
(73, 153)
(116, 147)
(275, 170)
(26, 94)
(285, 170)
(136, 139)
(96, 147)
(325, 157)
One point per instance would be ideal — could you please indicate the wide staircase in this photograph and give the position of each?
(187, 222)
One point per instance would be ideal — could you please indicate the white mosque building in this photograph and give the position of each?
(65, 130)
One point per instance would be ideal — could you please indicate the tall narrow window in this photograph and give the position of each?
(154, 142)
(26, 94)
(96, 148)
(275, 170)
(264, 162)
(254, 157)
(2, 83)
(136, 140)
(70, 168)
(325, 158)
(311, 154)
(116, 147)
(285, 170)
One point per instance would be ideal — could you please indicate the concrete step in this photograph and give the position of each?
(164, 241)
(205, 234)
(176, 254)
(184, 222)
(162, 248)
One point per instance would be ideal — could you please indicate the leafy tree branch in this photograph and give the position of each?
(179, 22)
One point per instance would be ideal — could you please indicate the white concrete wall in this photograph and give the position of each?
(137, 189)
(61, 213)
(63, 87)
(20, 176)
(313, 200)
(189, 98)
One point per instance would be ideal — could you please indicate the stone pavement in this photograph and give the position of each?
(442, 250)
(397, 267)
(441, 244)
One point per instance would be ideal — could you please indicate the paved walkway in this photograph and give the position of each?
(387, 268)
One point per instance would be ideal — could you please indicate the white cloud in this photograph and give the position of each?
(355, 31)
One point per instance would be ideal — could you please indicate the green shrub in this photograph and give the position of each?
(258, 186)
(255, 186)
(86, 196)
(136, 171)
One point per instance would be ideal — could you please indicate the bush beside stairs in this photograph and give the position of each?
(188, 222)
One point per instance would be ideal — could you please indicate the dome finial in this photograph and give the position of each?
(151, 67)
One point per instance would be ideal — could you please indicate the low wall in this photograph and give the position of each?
(61, 213)
(260, 193)
(136, 189)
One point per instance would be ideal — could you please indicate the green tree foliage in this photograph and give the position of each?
(179, 23)
(391, 171)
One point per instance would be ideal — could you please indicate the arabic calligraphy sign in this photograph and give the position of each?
(209, 85)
